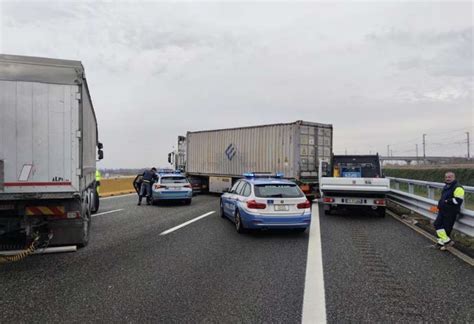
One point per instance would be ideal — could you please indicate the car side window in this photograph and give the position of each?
(234, 188)
(238, 191)
(246, 191)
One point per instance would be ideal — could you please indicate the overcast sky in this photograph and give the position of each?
(380, 72)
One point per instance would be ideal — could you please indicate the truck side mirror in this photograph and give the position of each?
(101, 154)
(100, 146)
(169, 158)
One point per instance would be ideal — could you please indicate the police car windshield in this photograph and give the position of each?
(278, 191)
(173, 180)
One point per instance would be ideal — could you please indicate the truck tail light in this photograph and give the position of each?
(304, 205)
(379, 201)
(187, 186)
(73, 214)
(328, 200)
(255, 205)
(157, 186)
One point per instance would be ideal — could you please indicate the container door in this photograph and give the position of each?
(38, 136)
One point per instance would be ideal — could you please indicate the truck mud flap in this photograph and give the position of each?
(66, 232)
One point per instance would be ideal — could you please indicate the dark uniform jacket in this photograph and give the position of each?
(449, 203)
(149, 176)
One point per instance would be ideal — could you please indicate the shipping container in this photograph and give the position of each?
(293, 149)
(48, 148)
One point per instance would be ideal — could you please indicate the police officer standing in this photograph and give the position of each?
(449, 206)
(149, 176)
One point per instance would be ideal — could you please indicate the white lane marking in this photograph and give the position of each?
(107, 212)
(314, 302)
(186, 223)
(119, 196)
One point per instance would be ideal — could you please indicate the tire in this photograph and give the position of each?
(188, 201)
(95, 207)
(330, 211)
(300, 230)
(86, 226)
(239, 227)
(381, 211)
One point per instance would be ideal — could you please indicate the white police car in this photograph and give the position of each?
(171, 185)
(263, 201)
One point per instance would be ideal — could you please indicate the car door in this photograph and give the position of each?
(228, 198)
(235, 198)
(243, 194)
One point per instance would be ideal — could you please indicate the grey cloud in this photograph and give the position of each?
(447, 53)
(157, 70)
(35, 13)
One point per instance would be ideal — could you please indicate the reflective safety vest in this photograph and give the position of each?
(98, 177)
(452, 197)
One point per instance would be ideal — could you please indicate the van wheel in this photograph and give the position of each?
(381, 211)
(329, 211)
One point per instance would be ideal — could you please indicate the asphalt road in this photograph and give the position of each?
(375, 270)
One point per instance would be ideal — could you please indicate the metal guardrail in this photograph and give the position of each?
(425, 205)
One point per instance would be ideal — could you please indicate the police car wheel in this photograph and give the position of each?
(238, 223)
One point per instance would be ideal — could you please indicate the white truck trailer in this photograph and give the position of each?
(216, 158)
(353, 182)
(48, 150)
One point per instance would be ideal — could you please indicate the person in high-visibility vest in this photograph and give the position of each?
(98, 177)
(449, 206)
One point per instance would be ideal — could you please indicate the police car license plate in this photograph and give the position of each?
(282, 208)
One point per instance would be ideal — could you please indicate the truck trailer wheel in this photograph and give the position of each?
(86, 225)
(96, 203)
(85, 232)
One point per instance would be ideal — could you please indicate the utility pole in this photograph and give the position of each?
(468, 144)
(424, 149)
(416, 153)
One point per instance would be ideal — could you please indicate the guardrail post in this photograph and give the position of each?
(411, 188)
(431, 192)
(397, 185)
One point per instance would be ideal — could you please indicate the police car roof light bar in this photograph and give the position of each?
(168, 171)
(251, 175)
